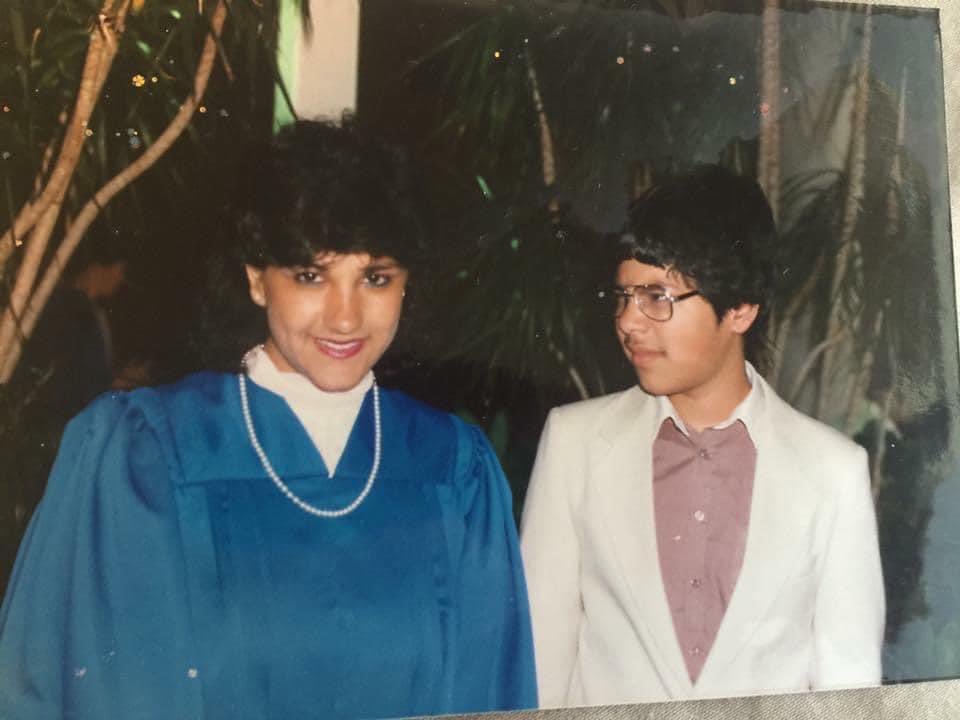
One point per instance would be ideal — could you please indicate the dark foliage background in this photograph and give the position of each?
(504, 324)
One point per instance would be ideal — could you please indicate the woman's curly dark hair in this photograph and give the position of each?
(717, 230)
(320, 187)
(316, 187)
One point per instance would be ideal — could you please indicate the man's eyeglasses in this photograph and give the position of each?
(654, 301)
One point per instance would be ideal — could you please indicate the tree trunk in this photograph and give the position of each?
(856, 171)
(101, 51)
(768, 160)
(548, 157)
(23, 314)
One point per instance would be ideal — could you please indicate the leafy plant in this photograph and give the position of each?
(93, 95)
(66, 107)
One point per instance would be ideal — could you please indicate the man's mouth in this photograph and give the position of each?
(642, 355)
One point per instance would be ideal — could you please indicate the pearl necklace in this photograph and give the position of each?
(282, 486)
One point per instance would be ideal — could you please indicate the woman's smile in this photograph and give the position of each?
(340, 349)
(330, 321)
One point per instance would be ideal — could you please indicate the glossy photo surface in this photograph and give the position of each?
(531, 125)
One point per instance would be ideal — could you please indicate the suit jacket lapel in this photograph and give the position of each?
(778, 512)
(623, 462)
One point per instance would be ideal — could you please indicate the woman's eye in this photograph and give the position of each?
(306, 277)
(378, 280)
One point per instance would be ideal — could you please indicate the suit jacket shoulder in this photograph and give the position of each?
(791, 438)
(607, 415)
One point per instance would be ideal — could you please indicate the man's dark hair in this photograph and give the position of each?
(324, 187)
(716, 229)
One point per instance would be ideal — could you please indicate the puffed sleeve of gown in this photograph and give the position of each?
(94, 624)
(494, 667)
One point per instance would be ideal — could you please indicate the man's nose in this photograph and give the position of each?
(632, 319)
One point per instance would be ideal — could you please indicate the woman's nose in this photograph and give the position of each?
(344, 309)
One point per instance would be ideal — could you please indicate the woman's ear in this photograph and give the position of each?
(255, 278)
(742, 317)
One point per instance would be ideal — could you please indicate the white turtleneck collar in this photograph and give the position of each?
(327, 417)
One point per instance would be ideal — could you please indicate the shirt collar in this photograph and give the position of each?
(297, 390)
(327, 417)
(747, 411)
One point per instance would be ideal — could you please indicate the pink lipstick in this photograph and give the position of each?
(340, 350)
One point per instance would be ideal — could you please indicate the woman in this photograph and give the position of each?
(289, 541)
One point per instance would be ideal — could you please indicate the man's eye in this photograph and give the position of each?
(656, 295)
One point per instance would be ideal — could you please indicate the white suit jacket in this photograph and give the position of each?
(807, 611)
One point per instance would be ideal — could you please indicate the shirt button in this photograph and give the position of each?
(696, 582)
(695, 650)
(700, 516)
(704, 454)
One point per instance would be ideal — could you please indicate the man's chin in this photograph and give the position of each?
(651, 387)
(654, 384)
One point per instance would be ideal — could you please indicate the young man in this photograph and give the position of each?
(695, 536)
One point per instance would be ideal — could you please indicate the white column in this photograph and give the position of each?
(319, 67)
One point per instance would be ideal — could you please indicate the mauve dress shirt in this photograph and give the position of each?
(702, 487)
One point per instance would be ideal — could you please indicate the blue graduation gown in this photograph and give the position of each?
(165, 576)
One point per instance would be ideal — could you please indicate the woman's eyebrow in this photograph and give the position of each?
(384, 264)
